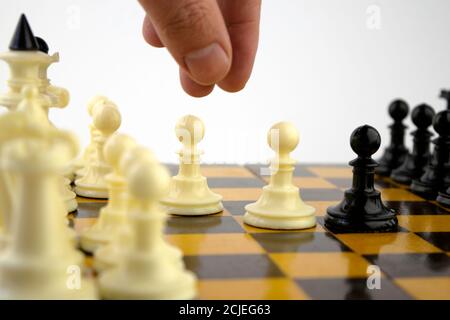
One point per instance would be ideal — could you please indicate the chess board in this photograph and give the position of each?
(236, 261)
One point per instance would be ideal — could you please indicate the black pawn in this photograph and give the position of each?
(444, 198)
(415, 162)
(445, 94)
(395, 154)
(436, 177)
(23, 38)
(362, 209)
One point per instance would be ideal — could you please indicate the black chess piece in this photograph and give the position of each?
(445, 94)
(43, 46)
(436, 177)
(23, 38)
(362, 209)
(395, 154)
(415, 162)
(444, 198)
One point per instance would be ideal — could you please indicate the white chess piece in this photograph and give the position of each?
(106, 119)
(280, 205)
(39, 253)
(147, 270)
(113, 216)
(189, 193)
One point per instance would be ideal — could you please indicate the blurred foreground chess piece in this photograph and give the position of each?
(147, 269)
(416, 161)
(362, 209)
(395, 154)
(113, 215)
(280, 205)
(28, 62)
(436, 177)
(39, 252)
(189, 193)
(445, 94)
(106, 119)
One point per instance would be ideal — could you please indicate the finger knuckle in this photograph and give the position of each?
(190, 15)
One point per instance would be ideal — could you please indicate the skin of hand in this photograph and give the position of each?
(214, 42)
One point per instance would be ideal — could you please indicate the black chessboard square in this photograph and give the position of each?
(232, 266)
(89, 209)
(203, 224)
(299, 242)
(438, 239)
(416, 208)
(236, 208)
(412, 264)
(351, 289)
(235, 182)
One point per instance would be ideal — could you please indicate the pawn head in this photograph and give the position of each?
(190, 130)
(116, 146)
(283, 137)
(441, 123)
(134, 155)
(365, 141)
(106, 117)
(93, 101)
(148, 181)
(398, 109)
(422, 116)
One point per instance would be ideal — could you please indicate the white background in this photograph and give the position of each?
(325, 65)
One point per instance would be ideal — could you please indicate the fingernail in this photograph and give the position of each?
(207, 65)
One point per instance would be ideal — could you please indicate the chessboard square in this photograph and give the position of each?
(321, 194)
(250, 229)
(440, 240)
(341, 183)
(423, 223)
(322, 206)
(235, 182)
(213, 244)
(226, 171)
(351, 289)
(412, 264)
(236, 208)
(89, 209)
(426, 288)
(396, 194)
(202, 224)
(233, 266)
(416, 208)
(321, 264)
(251, 289)
(312, 183)
(299, 242)
(331, 172)
(238, 194)
(381, 243)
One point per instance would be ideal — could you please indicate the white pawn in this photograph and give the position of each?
(189, 193)
(107, 120)
(147, 270)
(280, 205)
(113, 216)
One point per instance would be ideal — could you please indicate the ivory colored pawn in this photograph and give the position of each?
(113, 216)
(189, 193)
(106, 119)
(280, 205)
(109, 256)
(147, 270)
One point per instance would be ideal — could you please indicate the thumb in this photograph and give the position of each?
(194, 32)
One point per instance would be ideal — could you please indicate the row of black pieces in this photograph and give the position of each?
(426, 173)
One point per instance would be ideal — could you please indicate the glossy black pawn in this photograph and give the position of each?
(444, 198)
(362, 210)
(445, 94)
(416, 161)
(395, 154)
(23, 38)
(436, 177)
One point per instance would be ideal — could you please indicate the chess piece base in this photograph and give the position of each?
(192, 197)
(91, 191)
(444, 199)
(425, 190)
(361, 213)
(280, 209)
